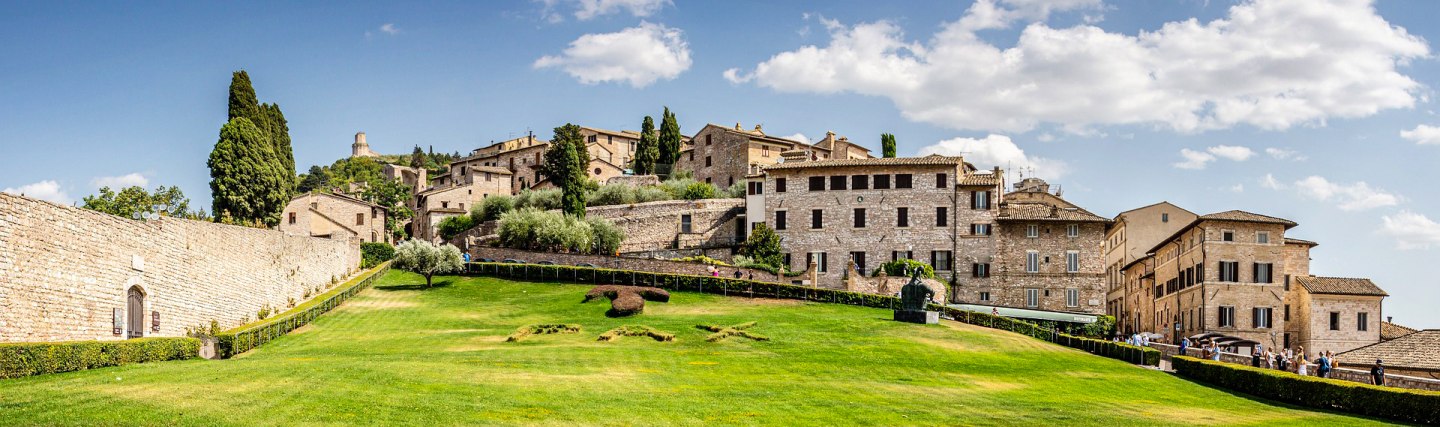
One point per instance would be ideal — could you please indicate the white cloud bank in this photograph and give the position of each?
(997, 150)
(1411, 230)
(48, 190)
(118, 182)
(586, 10)
(1422, 134)
(1197, 160)
(1358, 196)
(639, 56)
(1271, 64)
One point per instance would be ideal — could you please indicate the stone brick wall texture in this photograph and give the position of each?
(64, 269)
(636, 264)
(654, 227)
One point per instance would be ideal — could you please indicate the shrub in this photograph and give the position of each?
(636, 331)
(492, 207)
(246, 337)
(736, 190)
(539, 199)
(533, 229)
(763, 247)
(606, 237)
(899, 266)
(613, 194)
(1395, 403)
(26, 359)
(626, 300)
(703, 260)
(452, 226)
(542, 329)
(426, 259)
(374, 253)
(689, 189)
(264, 312)
(723, 332)
(626, 304)
(651, 193)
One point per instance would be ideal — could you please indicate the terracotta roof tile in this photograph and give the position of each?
(988, 179)
(1238, 215)
(1340, 286)
(1420, 350)
(1390, 331)
(1289, 240)
(1044, 212)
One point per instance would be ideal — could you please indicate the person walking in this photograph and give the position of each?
(1184, 346)
(1255, 355)
(1215, 351)
(1300, 364)
(1377, 373)
(1269, 359)
(1323, 370)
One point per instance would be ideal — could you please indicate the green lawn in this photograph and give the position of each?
(396, 355)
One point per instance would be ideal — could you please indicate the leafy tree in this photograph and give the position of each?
(763, 246)
(648, 151)
(565, 164)
(317, 179)
(900, 266)
(426, 259)
(374, 253)
(669, 140)
(418, 158)
(454, 225)
(887, 145)
(391, 194)
(492, 207)
(244, 178)
(131, 200)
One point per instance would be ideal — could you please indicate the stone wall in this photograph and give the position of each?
(623, 263)
(1010, 282)
(325, 215)
(64, 270)
(1319, 337)
(634, 180)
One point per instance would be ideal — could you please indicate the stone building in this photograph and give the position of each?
(333, 215)
(1047, 254)
(1415, 354)
(614, 147)
(867, 211)
(468, 189)
(723, 156)
(1131, 234)
(415, 178)
(361, 148)
(520, 156)
(1333, 313)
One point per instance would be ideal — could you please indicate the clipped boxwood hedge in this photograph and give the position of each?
(750, 288)
(1417, 406)
(246, 337)
(25, 359)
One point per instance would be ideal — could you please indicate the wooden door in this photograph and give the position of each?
(135, 314)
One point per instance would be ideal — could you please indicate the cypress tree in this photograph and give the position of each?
(565, 164)
(648, 151)
(417, 158)
(669, 143)
(244, 175)
(242, 97)
(887, 145)
(279, 132)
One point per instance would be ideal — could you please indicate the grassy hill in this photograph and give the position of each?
(397, 355)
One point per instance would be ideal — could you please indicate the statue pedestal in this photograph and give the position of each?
(926, 317)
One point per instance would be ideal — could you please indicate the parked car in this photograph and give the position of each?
(545, 263)
(585, 264)
(486, 260)
(515, 261)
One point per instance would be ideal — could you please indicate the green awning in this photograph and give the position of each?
(1021, 313)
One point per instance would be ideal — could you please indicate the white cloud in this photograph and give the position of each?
(1231, 152)
(48, 190)
(1045, 137)
(1267, 64)
(639, 55)
(389, 29)
(798, 137)
(1238, 188)
(1283, 154)
(997, 150)
(1411, 230)
(1422, 134)
(118, 182)
(1194, 159)
(1269, 181)
(1352, 197)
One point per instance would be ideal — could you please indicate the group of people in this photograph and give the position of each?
(1324, 365)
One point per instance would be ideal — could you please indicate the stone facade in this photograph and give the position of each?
(614, 147)
(724, 156)
(329, 215)
(472, 187)
(1131, 234)
(67, 272)
(1047, 255)
(360, 148)
(415, 178)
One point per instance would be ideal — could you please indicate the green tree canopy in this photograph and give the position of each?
(133, 200)
(426, 259)
(669, 141)
(565, 164)
(244, 177)
(887, 145)
(763, 246)
(648, 151)
(317, 179)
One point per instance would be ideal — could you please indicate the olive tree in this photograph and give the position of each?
(427, 259)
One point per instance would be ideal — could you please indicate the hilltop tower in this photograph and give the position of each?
(360, 148)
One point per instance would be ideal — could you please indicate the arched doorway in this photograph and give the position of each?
(135, 313)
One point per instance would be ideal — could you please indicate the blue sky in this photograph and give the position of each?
(1308, 110)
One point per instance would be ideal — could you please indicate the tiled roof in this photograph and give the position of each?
(1390, 331)
(1420, 350)
(339, 196)
(492, 169)
(1300, 242)
(987, 179)
(883, 161)
(1243, 216)
(1044, 212)
(1340, 286)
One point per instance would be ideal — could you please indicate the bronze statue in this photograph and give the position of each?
(915, 295)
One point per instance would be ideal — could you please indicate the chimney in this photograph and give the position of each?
(1389, 319)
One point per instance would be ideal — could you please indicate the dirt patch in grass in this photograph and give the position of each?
(953, 345)
(453, 331)
(378, 304)
(303, 329)
(770, 301)
(986, 384)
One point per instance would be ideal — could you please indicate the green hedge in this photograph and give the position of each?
(244, 338)
(25, 359)
(1395, 403)
(750, 288)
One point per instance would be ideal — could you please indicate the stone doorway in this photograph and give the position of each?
(135, 313)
